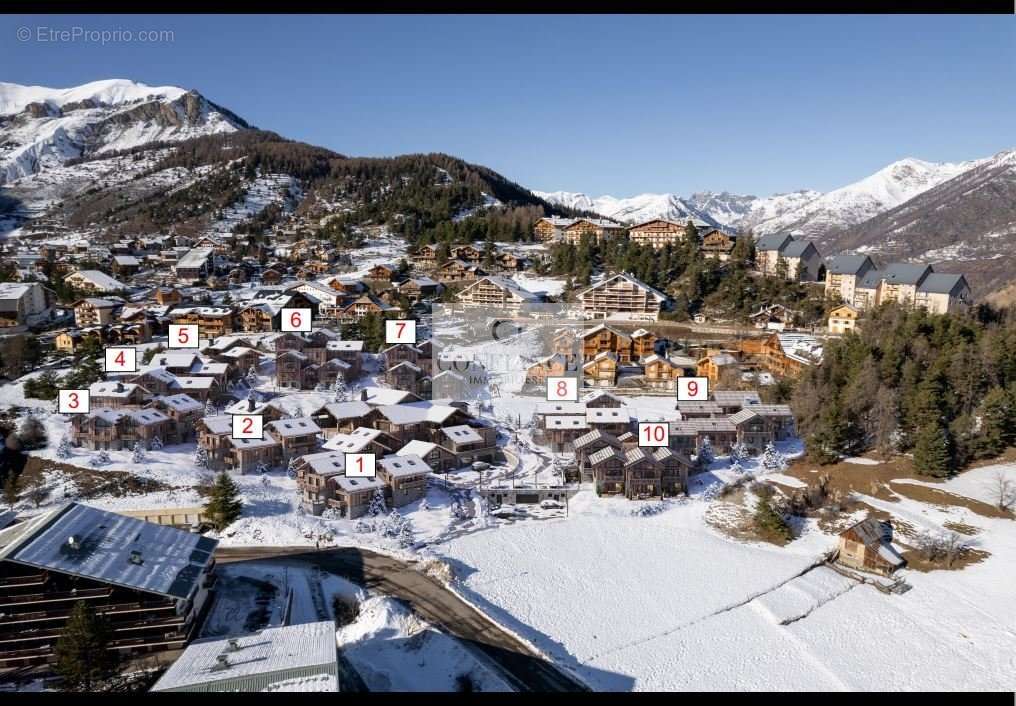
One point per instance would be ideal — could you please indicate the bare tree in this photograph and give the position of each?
(1003, 490)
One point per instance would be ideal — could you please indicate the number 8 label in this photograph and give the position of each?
(560, 389)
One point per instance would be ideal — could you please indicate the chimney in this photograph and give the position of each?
(363, 395)
(234, 645)
(119, 386)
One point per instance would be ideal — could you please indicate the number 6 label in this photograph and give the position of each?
(72, 402)
(183, 335)
(296, 320)
(400, 331)
(653, 434)
(248, 426)
(692, 389)
(360, 466)
(562, 389)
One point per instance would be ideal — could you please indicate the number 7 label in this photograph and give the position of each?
(400, 331)
(692, 389)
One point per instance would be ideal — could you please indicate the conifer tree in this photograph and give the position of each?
(224, 505)
(932, 450)
(11, 489)
(84, 659)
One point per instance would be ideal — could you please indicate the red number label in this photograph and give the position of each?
(654, 433)
(401, 327)
(248, 425)
(359, 463)
(183, 336)
(294, 319)
(562, 388)
(73, 404)
(692, 388)
(120, 360)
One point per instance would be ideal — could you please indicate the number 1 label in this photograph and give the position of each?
(692, 389)
(248, 426)
(560, 389)
(653, 434)
(72, 402)
(296, 320)
(400, 331)
(360, 466)
(183, 335)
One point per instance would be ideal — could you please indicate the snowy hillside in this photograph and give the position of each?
(42, 128)
(631, 210)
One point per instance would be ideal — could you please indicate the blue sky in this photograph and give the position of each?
(601, 104)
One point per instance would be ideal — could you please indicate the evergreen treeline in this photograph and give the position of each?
(940, 386)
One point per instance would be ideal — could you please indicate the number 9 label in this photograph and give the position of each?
(692, 389)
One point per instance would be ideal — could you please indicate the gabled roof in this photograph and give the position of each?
(905, 273)
(516, 292)
(773, 241)
(295, 426)
(657, 294)
(798, 248)
(847, 264)
(941, 283)
(607, 452)
(603, 327)
(404, 465)
(594, 436)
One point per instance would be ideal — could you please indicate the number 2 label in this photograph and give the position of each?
(248, 426)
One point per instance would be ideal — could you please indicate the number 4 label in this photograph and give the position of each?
(248, 426)
(562, 389)
(653, 434)
(400, 331)
(296, 320)
(121, 360)
(183, 335)
(692, 389)
(72, 402)
(360, 466)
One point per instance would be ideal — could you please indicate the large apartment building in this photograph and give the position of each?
(861, 285)
(623, 297)
(496, 292)
(598, 228)
(795, 260)
(658, 233)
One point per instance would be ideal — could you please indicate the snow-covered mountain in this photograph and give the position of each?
(42, 127)
(806, 212)
(855, 203)
(631, 210)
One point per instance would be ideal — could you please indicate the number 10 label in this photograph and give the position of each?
(562, 389)
(653, 434)
(692, 389)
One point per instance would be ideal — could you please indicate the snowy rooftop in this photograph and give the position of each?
(99, 279)
(297, 426)
(404, 465)
(86, 541)
(272, 650)
(462, 434)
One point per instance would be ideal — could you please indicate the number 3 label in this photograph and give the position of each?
(562, 389)
(183, 335)
(653, 434)
(360, 466)
(296, 320)
(248, 426)
(72, 402)
(692, 389)
(400, 331)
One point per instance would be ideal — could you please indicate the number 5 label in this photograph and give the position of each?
(248, 426)
(183, 335)
(72, 402)
(400, 331)
(692, 389)
(121, 360)
(562, 389)
(653, 434)
(296, 320)
(360, 466)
